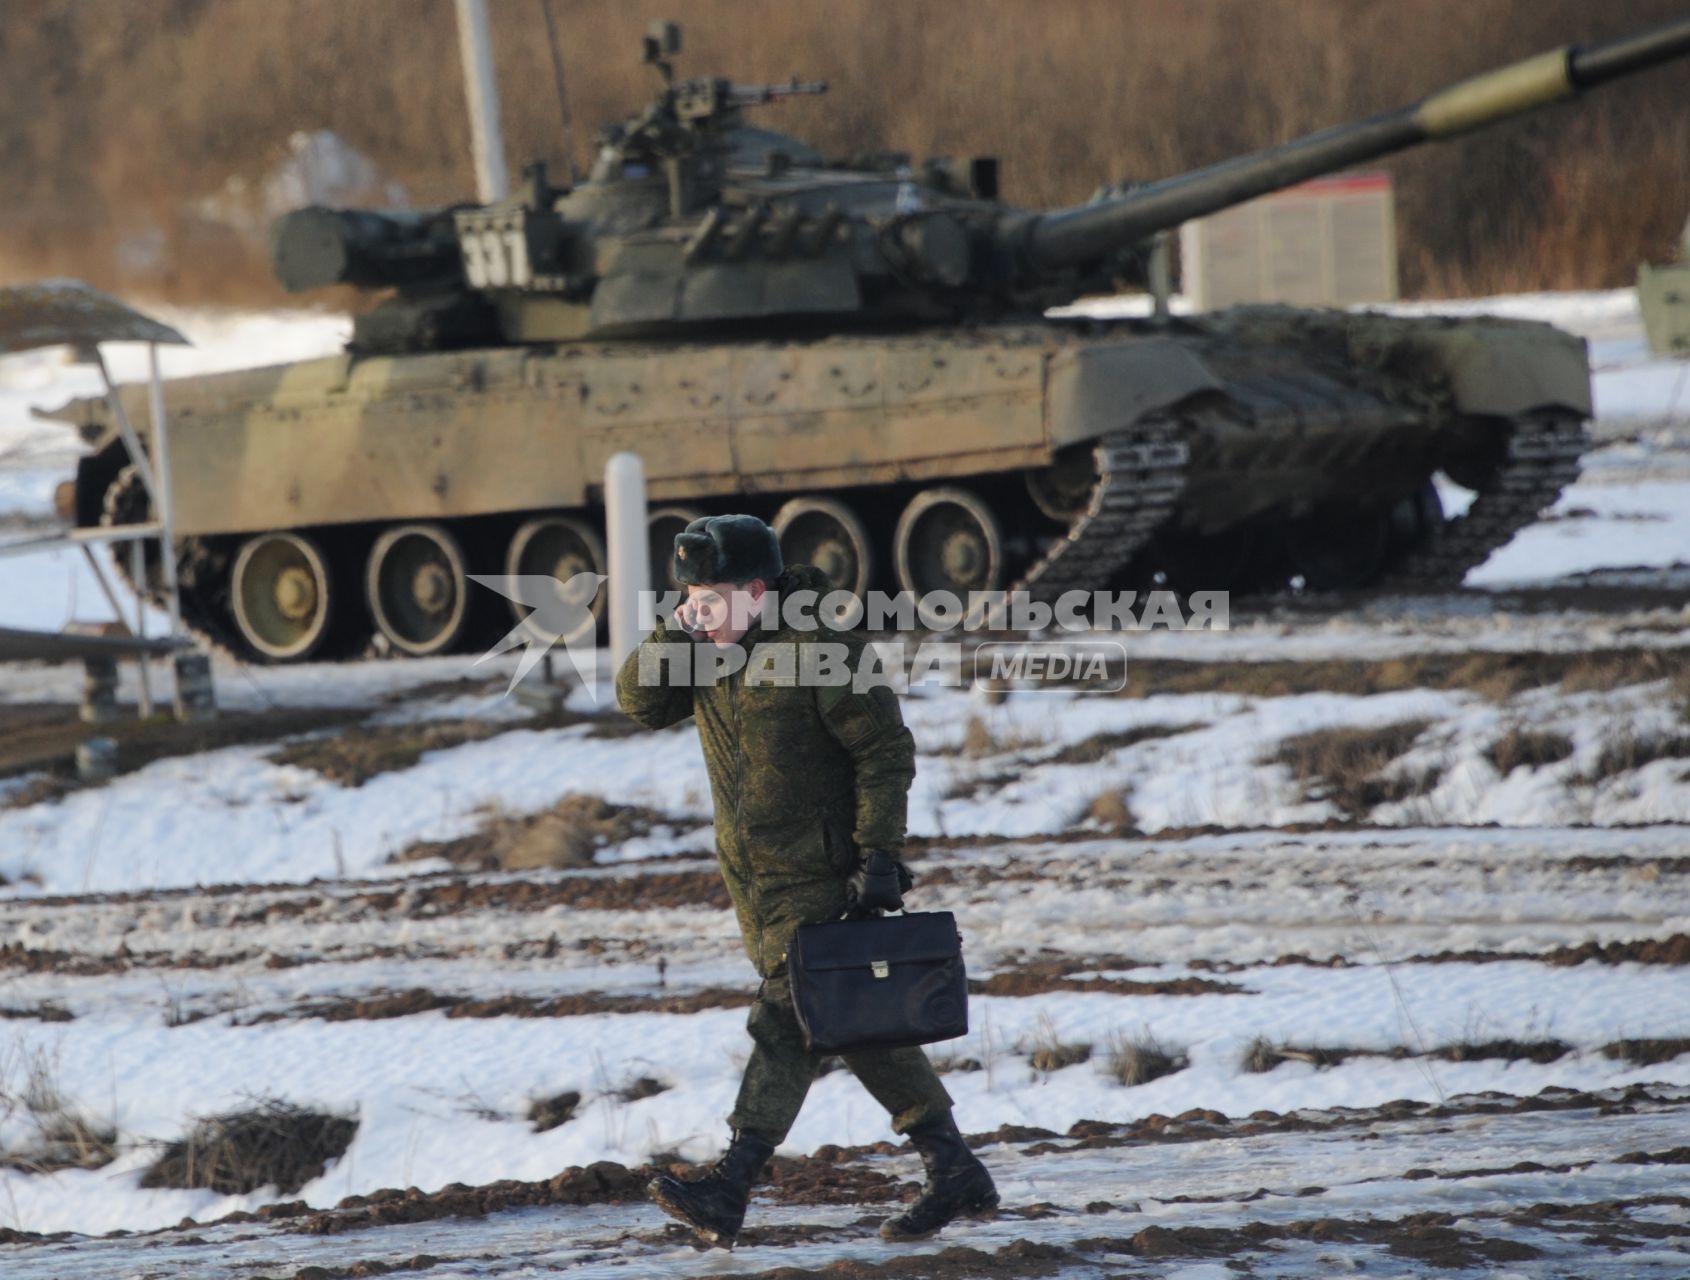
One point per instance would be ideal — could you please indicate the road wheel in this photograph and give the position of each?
(417, 588)
(558, 547)
(826, 533)
(948, 540)
(283, 596)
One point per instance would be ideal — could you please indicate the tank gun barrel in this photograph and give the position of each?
(367, 248)
(1069, 237)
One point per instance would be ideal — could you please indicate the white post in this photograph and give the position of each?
(482, 93)
(630, 550)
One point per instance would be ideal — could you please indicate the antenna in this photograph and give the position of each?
(562, 95)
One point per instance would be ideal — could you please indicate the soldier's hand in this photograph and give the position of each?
(878, 884)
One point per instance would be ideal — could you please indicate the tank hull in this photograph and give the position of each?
(1246, 419)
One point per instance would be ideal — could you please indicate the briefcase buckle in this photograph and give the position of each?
(880, 968)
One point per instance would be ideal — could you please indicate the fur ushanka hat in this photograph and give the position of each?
(726, 549)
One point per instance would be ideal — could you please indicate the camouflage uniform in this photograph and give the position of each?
(802, 778)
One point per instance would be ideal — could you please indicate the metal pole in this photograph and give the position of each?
(630, 549)
(482, 93)
(138, 572)
(163, 500)
(100, 577)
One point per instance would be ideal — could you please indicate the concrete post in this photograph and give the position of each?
(630, 551)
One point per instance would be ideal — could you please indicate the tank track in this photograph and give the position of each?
(1542, 458)
(1141, 475)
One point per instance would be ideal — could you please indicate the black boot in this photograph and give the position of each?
(714, 1205)
(957, 1183)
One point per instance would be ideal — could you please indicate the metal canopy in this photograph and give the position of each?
(70, 313)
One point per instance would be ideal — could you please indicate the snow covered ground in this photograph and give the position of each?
(1428, 856)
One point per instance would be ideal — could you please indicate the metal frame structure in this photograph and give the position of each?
(71, 313)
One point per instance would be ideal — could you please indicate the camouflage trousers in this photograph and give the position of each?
(780, 1071)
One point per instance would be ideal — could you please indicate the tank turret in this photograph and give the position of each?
(691, 217)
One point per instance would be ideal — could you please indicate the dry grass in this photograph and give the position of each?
(159, 106)
(1047, 1051)
(1136, 1060)
(1263, 1055)
(1470, 1050)
(354, 755)
(1110, 810)
(1491, 675)
(1343, 764)
(61, 1134)
(947, 1064)
(1627, 749)
(549, 1113)
(270, 1143)
(1529, 748)
(1100, 745)
(566, 835)
(1646, 1053)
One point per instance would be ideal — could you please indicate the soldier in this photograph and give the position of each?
(810, 784)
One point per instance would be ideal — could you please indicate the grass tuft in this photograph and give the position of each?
(60, 1134)
(549, 1113)
(1343, 764)
(1136, 1060)
(1528, 748)
(1048, 1051)
(271, 1143)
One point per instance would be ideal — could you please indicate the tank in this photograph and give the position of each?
(859, 352)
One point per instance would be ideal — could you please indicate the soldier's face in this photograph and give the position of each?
(723, 611)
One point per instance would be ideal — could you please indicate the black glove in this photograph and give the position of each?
(878, 884)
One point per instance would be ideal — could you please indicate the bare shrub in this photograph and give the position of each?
(549, 1113)
(1136, 1060)
(1529, 748)
(1342, 764)
(270, 1143)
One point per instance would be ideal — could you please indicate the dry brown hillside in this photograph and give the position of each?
(113, 112)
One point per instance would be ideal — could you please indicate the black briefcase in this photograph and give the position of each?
(881, 983)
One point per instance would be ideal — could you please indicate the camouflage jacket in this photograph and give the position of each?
(803, 777)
